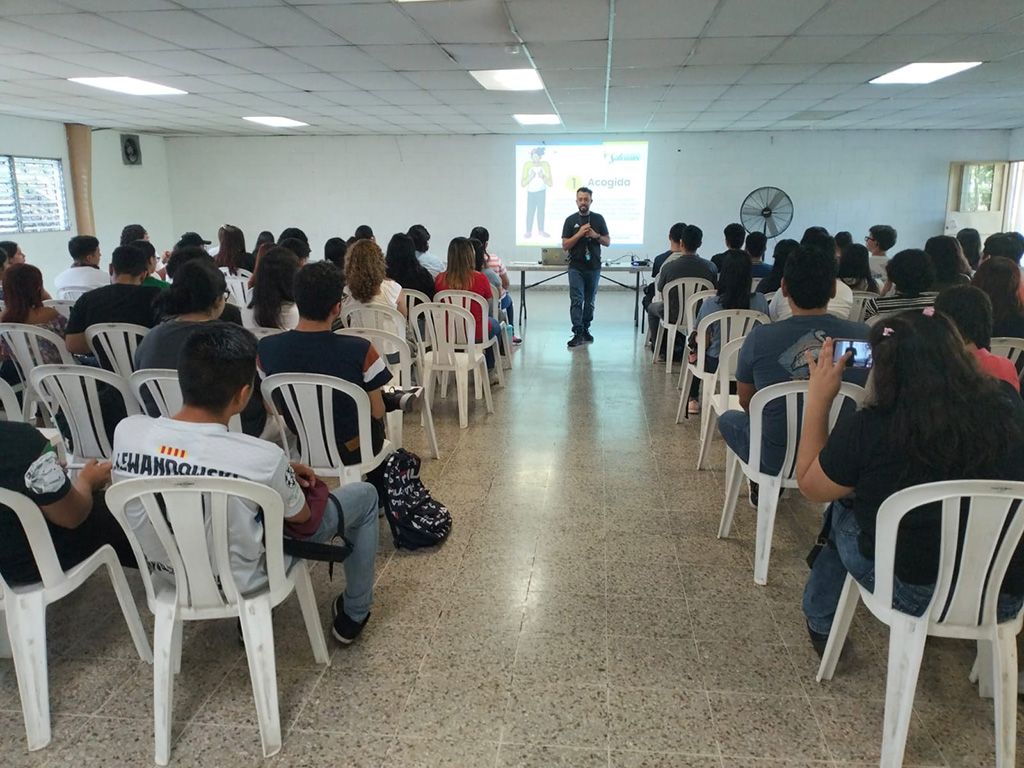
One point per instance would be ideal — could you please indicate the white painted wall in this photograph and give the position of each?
(125, 194)
(329, 185)
(1017, 144)
(39, 138)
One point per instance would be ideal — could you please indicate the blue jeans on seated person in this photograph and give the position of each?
(359, 505)
(493, 330)
(828, 575)
(735, 429)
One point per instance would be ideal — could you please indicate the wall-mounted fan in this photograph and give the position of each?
(768, 210)
(131, 149)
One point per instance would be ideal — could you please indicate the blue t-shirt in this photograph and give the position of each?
(758, 303)
(760, 270)
(774, 353)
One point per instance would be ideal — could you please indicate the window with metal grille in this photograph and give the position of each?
(32, 195)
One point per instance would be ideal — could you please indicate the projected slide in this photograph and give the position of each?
(547, 176)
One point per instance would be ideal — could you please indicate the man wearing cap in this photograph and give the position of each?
(191, 238)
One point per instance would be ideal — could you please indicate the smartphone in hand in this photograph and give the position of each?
(861, 357)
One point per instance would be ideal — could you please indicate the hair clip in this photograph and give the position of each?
(929, 311)
(887, 331)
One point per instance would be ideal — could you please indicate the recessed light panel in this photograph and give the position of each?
(921, 72)
(276, 122)
(509, 79)
(128, 85)
(548, 119)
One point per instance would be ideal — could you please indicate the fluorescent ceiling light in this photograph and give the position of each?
(538, 119)
(924, 72)
(276, 122)
(509, 79)
(128, 85)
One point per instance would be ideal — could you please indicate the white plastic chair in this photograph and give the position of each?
(180, 510)
(506, 337)
(414, 298)
(29, 344)
(243, 274)
(692, 307)
(262, 333)
(239, 289)
(308, 400)
(719, 400)
(963, 606)
(116, 344)
(389, 347)
(679, 290)
(1010, 348)
(9, 402)
(770, 486)
(443, 325)
(71, 294)
(24, 607)
(732, 324)
(63, 306)
(164, 392)
(467, 300)
(379, 318)
(860, 300)
(73, 390)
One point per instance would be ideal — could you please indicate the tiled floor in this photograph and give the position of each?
(581, 614)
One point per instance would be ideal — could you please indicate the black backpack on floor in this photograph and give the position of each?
(416, 519)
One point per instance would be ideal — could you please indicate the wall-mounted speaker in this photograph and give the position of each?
(131, 149)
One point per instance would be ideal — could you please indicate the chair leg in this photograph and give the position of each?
(427, 417)
(848, 601)
(462, 390)
(1005, 680)
(258, 631)
(907, 636)
(444, 384)
(485, 380)
(707, 433)
(128, 608)
(982, 671)
(770, 486)
(395, 427)
(429, 385)
(167, 625)
(685, 375)
(27, 614)
(670, 352)
(5, 640)
(733, 478)
(657, 343)
(310, 613)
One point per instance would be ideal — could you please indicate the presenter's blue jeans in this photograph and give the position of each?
(582, 294)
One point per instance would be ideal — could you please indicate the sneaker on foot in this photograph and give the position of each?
(492, 377)
(576, 341)
(752, 496)
(693, 406)
(516, 341)
(587, 337)
(408, 399)
(344, 629)
(818, 641)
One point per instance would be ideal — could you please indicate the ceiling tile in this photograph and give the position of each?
(117, 64)
(646, 53)
(457, 22)
(779, 73)
(963, 16)
(734, 50)
(571, 78)
(26, 38)
(35, 7)
(903, 49)
(644, 76)
(274, 26)
(267, 61)
(188, 62)
(413, 57)
(646, 19)
(336, 58)
(184, 28)
(821, 50)
(252, 83)
(723, 75)
(750, 18)
(367, 24)
(451, 81)
(846, 73)
(763, 91)
(377, 81)
(47, 65)
(96, 31)
(863, 17)
(312, 81)
(566, 20)
(593, 53)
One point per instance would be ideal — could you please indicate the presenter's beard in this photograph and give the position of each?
(584, 209)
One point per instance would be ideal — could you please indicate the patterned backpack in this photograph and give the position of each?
(415, 518)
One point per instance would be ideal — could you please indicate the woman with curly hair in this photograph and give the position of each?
(366, 280)
(273, 303)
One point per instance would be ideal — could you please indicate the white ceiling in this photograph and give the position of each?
(378, 66)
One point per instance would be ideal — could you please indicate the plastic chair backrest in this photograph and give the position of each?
(114, 345)
(860, 300)
(414, 298)
(726, 373)
(692, 307)
(967, 589)
(675, 293)
(182, 510)
(793, 392)
(73, 390)
(244, 274)
(388, 346)
(442, 333)
(27, 343)
(71, 294)
(1010, 348)
(308, 400)
(39, 540)
(372, 316)
(63, 306)
(9, 402)
(466, 300)
(239, 290)
(732, 324)
(161, 387)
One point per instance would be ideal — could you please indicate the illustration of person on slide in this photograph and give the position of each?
(536, 179)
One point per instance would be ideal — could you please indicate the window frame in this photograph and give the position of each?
(63, 223)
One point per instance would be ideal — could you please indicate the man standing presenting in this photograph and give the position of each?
(583, 234)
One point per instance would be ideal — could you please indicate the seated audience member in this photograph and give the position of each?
(774, 353)
(181, 256)
(773, 282)
(421, 241)
(217, 372)
(152, 279)
(971, 312)
(735, 234)
(733, 293)
(910, 274)
(1000, 244)
(931, 416)
(263, 238)
(76, 517)
(299, 247)
(192, 240)
(480, 264)
(292, 233)
(970, 243)
(675, 248)
(855, 269)
(841, 302)
(756, 245)
(404, 268)
(1000, 279)
(125, 300)
(364, 232)
(132, 232)
(231, 254)
(13, 251)
(366, 280)
(272, 303)
(949, 265)
(23, 303)
(334, 252)
(312, 348)
(84, 274)
(879, 240)
(4, 262)
(460, 276)
(496, 264)
(843, 239)
(687, 238)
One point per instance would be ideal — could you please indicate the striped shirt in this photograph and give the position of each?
(891, 305)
